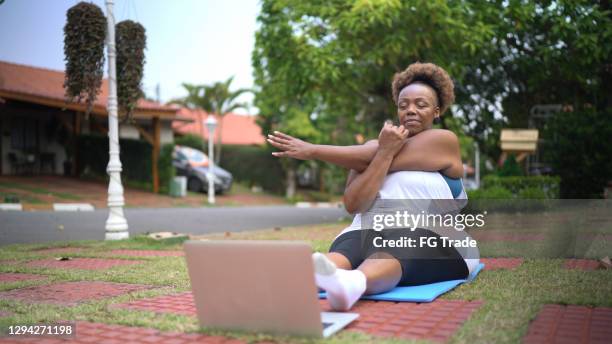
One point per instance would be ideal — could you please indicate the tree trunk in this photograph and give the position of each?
(321, 178)
(291, 182)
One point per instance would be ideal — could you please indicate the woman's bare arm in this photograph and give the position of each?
(431, 150)
(362, 188)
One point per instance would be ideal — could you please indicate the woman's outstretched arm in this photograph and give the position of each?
(431, 150)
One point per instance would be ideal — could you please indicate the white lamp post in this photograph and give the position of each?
(211, 124)
(116, 224)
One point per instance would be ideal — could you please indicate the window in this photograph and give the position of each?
(24, 133)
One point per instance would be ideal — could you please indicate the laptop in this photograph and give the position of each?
(264, 286)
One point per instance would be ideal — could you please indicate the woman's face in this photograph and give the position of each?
(417, 107)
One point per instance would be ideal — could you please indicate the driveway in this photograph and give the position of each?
(40, 192)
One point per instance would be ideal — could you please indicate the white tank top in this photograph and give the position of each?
(419, 185)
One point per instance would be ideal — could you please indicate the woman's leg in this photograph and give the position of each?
(340, 260)
(379, 273)
(382, 271)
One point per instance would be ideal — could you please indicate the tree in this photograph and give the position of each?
(215, 99)
(328, 65)
(334, 60)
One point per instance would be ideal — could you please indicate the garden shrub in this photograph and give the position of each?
(548, 184)
(191, 140)
(580, 152)
(254, 165)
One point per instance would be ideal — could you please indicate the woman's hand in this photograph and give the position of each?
(391, 139)
(290, 146)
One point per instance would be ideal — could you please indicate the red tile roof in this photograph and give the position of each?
(236, 129)
(45, 86)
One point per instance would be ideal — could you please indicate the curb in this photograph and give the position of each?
(72, 207)
(53, 207)
(319, 205)
(11, 207)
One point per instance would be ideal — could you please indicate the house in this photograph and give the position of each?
(38, 125)
(235, 129)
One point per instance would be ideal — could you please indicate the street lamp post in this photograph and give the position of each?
(116, 224)
(211, 124)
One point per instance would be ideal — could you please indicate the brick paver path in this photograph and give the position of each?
(512, 237)
(147, 253)
(81, 263)
(181, 303)
(8, 277)
(501, 263)
(436, 321)
(88, 332)
(581, 264)
(570, 324)
(70, 293)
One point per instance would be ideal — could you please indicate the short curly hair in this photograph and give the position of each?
(429, 74)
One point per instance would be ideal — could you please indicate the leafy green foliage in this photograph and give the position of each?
(495, 192)
(84, 36)
(165, 167)
(510, 167)
(330, 64)
(532, 193)
(548, 184)
(581, 153)
(135, 158)
(131, 41)
(190, 140)
(254, 165)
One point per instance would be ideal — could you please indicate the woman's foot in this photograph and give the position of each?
(343, 287)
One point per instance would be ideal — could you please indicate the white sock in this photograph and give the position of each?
(343, 287)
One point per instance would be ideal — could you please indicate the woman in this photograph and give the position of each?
(409, 161)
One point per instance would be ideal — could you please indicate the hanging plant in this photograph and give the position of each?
(84, 38)
(131, 42)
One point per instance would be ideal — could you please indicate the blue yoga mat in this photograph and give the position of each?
(419, 293)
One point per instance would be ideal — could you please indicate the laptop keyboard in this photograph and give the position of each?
(326, 325)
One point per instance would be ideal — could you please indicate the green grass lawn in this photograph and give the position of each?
(511, 297)
(40, 191)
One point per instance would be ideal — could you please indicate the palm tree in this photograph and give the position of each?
(194, 101)
(214, 99)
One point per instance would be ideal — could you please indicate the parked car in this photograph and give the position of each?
(193, 164)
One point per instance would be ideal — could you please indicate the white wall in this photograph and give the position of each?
(128, 131)
(166, 133)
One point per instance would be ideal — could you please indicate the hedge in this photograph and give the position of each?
(190, 140)
(135, 158)
(549, 185)
(580, 152)
(254, 165)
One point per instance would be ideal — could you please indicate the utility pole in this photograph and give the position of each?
(116, 224)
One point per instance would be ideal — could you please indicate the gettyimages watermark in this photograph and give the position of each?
(438, 229)
(411, 221)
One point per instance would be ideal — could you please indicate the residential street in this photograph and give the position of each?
(46, 226)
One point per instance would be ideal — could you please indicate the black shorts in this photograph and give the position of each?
(420, 265)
